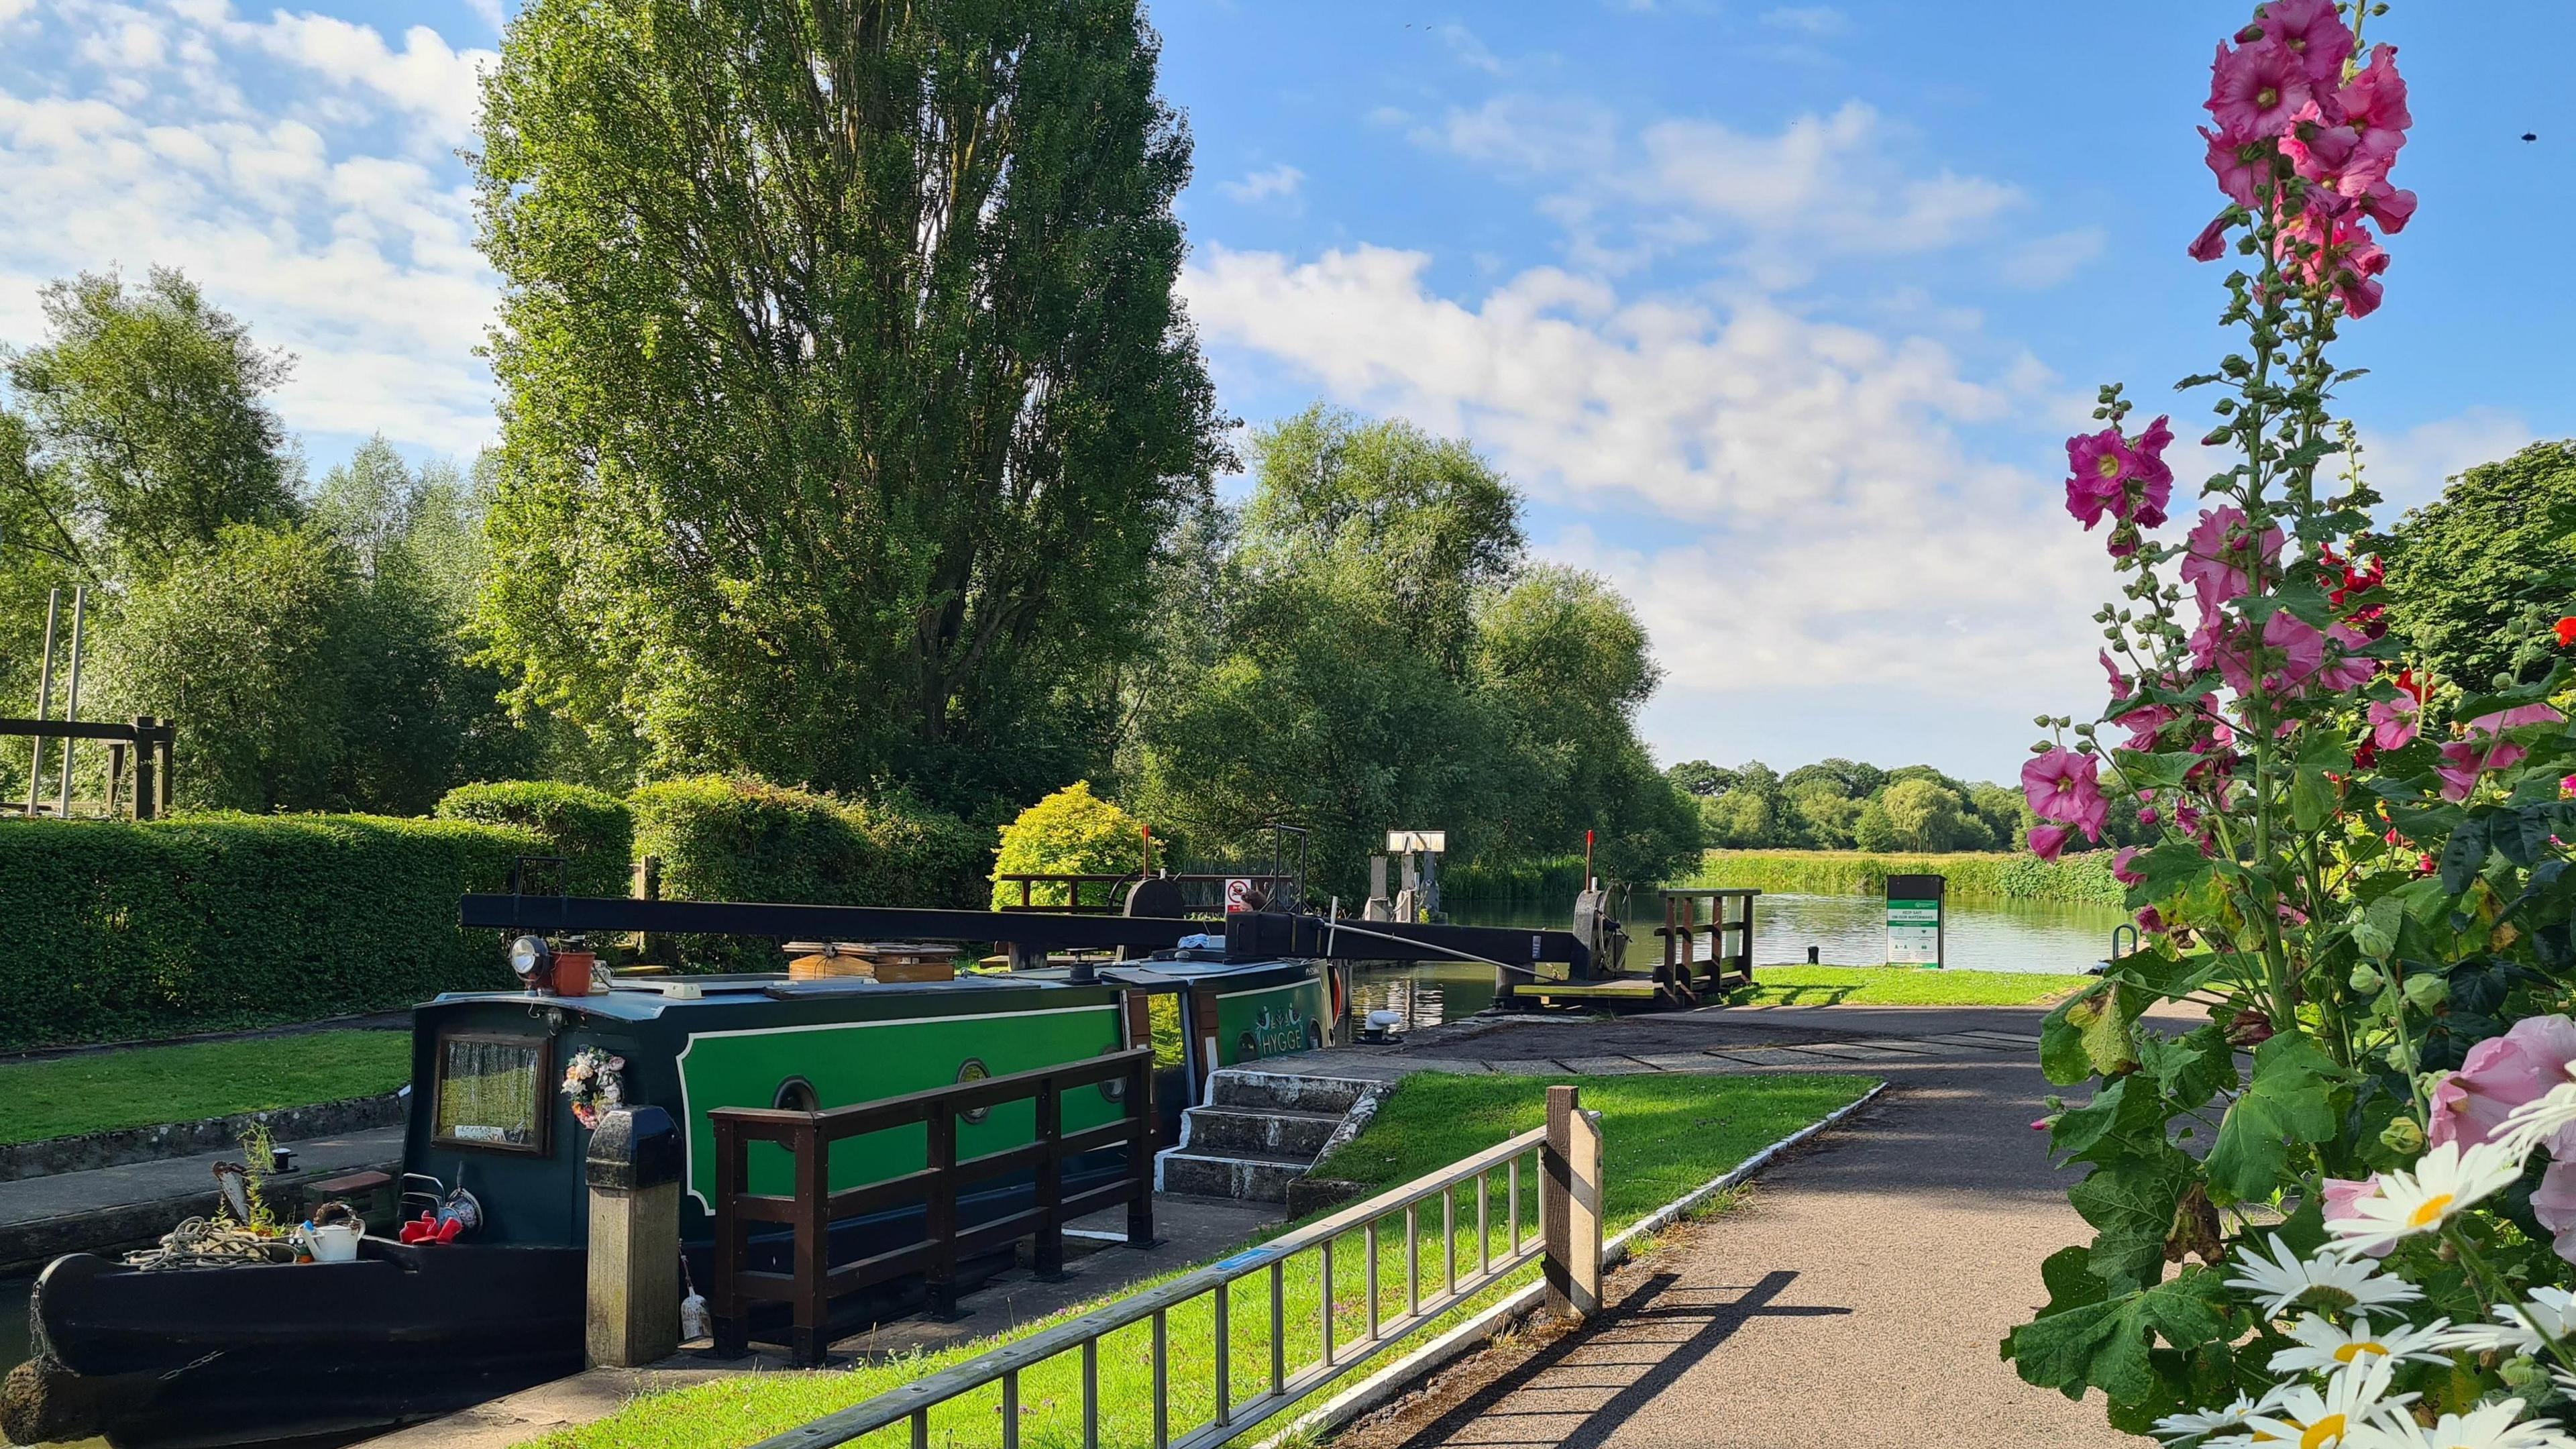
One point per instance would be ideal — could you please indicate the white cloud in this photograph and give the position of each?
(2045, 261)
(1843, 183)
(2410, 467)
(489, 10)
(426, 77)
(331, 218)
(1470, 51)
(1815, 20)
(1256, 187)
(1827, 525)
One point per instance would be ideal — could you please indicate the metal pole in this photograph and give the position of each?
(44, 701)
(71, 698)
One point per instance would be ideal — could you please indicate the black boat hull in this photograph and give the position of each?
(193, 1359)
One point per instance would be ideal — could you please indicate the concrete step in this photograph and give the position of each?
(1265, 1129)
(1240, 1087)
(1245, 1177)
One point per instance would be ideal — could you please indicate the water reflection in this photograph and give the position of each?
(1845, 930)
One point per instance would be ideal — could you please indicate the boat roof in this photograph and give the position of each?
(645, 998)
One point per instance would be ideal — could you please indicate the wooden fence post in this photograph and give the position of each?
(940, 1211)
(1050, 1185)
(1569, 1205)
(1140, 1152)
(811, 1341)
(146, 757)
(730, 1323)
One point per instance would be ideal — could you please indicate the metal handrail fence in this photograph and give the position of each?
(1568, 1203)
(814, 1281)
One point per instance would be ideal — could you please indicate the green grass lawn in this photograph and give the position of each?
(145, 1086)
(1901, 986)
(1662, 1136)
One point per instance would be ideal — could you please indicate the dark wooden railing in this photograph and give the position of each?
(1682, 928)
(814, 1281)
(149, 740)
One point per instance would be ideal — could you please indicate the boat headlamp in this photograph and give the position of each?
(530, 957)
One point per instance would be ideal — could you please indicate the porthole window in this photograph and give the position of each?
(1115, 1089)
(797, 1095)
(974, 1070)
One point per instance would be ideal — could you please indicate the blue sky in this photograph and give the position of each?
(1779, 313)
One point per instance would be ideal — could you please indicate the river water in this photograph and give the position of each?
(1845, 930)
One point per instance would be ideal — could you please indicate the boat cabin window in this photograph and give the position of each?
(492, 1092)
(797, 1095)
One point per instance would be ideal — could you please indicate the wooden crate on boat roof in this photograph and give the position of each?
(887, 961)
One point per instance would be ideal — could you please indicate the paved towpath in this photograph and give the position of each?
(105, 1208)
(1855, 1299)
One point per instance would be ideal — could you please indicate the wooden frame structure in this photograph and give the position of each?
(814, 1281)
(147, 740)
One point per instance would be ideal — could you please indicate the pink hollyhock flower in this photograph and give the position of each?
(2237, 164)
(2120, 870)
(2341, 1193)
(2046, 841)
(2211, 244)
(2096, 464)
(2065, 786)
(2373, 106)
(2312, 30)
(2145, 505)
(2255, 89)
(2147, 813)
(2554, 1204)
(2390, 207)
(2350, 668)
(2486, 749)
(2500, 1074)
(2151, 921)
(2290, 915)
(2217, 553)
(2330, 155)
(2392, 722)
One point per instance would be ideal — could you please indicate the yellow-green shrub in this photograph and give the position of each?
(1071, 832)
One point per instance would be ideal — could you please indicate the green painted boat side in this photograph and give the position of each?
(1270, 1021)
(848, 1063)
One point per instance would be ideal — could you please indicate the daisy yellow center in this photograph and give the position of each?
(2429, 1211)
(2351, 1351)
(2328, 1430)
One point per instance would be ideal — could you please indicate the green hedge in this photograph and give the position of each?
(120, 930)
(724, 838)
(592, 830)
(2083, 878)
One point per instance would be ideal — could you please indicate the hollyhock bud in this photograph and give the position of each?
(2120, 869)
(2402, 1136)
(2365, 980)
(2249, 1027)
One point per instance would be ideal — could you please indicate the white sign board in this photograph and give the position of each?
(1427, 842)
(1238, 894)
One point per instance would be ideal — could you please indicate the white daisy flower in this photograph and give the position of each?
(2325, 1281)
(2490, 1426)
(2191, 1424)
(2447, 1181)
(2322, 1416)
(2323, 1348)
(2518, 1327)
(2532, 1123)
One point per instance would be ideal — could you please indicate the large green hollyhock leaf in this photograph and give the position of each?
(2104, 1343)
(2289, 1100)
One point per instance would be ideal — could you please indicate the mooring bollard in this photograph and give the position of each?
(634, 1174)
(1569, 1205)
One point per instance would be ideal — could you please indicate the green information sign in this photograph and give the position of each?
(1914, 925)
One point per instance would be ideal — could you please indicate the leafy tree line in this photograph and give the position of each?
(1840, 804)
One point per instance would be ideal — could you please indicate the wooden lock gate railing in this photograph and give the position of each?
(814, 1281)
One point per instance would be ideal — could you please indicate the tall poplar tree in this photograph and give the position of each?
(846, 397)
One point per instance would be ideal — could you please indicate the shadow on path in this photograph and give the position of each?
(1601, 1388)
